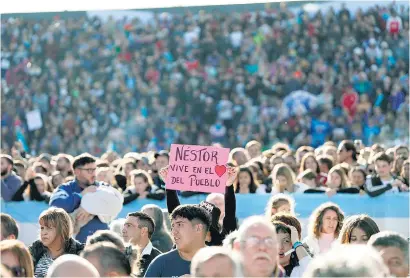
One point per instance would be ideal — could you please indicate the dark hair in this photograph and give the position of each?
(303, 162)
(390, 239)
(254, 183)
(358, 169)
(110, 258)
(316, 219)
(288, 219)
(382, 157)
(192, 212)
(326, 159)
(307, 174)
(145, 221)
(361, 221)
(349, 146)
(281, 227)
(106, 236)
(82, 160)
(8, 226)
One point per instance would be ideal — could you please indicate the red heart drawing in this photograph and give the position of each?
(220, 170)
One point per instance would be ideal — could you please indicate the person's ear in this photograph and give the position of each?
(11, 237)
(114, 274)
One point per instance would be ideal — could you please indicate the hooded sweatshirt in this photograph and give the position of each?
(161, 238)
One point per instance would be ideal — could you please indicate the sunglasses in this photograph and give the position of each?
(17, 271)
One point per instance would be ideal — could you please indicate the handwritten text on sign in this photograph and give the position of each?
(197, 168)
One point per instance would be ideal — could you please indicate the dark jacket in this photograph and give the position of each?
(37, 249)
(229, 222)
(161, 238)
(154, 194)
(375, 187)
(34, 194)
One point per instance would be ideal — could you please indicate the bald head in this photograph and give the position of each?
(72, 266)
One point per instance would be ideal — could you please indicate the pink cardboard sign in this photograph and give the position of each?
(197, 168)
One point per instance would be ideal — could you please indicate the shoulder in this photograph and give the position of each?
(74, 246)
(36, 249)
(68, 186)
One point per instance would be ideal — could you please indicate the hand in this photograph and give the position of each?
(294, 235)
(91, 188)
(30, 174)
(397, 183)
(82, 215)
(330, 192)
(163, 173)
(232, 174)
(404, 188)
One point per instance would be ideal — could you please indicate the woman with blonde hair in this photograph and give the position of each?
(142, 186)
(357, 229)
(280, 203)
(326, 221)
(16, 258)
(56, 230)
(283, 180)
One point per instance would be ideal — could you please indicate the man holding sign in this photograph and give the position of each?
(211, 160)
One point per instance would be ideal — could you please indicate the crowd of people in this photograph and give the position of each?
(80, 229)
(203, 78)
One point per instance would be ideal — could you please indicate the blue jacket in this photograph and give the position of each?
(68, 197)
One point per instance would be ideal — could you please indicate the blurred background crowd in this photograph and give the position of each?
(281, 74)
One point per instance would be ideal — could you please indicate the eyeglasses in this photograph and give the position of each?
(17, 271)
(254, 241)
(88, 170)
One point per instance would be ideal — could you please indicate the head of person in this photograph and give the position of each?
(377, 148)
(383, 164)
(141, 180)
(401, 151)
(69, 265)
(20, 168)
(330, 151)
(155, 212)
(357, 229)
(301, 151)
(282, 177)
(394, 249)
(56, 227)
(6, 165)
(63, 163)
(9, 228)
(42, 184)
(309, 162)
(105, 174)
(106, 236)
(275, 160)
(218, 200)
(45, 159)
(40, 168)
(336, 178)
(215, 262)
(189, 226)
(258, 247)
(290, 160)
(56, 179)
(239, 155)
(138, 228)
(325, 163)
(348, 261)
(161, 160)
(285, 243)
(308, 177)
(16, 258)
(107, 259)
(254, 148)
(84, 167)
(397, 165)
(246, 180)
(346, 151)
(129, 165)
(327, 218)
(279, 203)
(289, 220)
(357, 176)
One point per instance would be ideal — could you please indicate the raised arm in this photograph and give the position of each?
(229, 222)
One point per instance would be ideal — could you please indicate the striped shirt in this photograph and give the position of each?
(43, 264)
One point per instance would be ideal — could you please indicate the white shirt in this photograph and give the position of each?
(147, 250)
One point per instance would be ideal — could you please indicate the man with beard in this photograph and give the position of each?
(258, 246)
(10, 182)
(68, 196)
